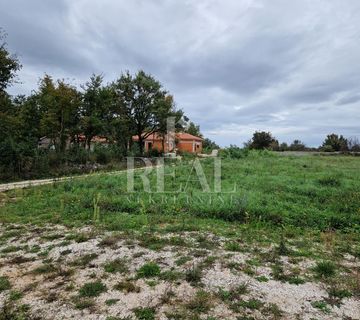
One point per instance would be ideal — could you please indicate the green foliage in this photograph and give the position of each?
(126, 286)
(193, 129)
(321, 305)
(145, 313)
(92, 289)
(263, 140)
(11, 311)
(9, 64)
(45, 268)
(252, 304)
(209, 145)
(111, 302)
(333, 142)
(144, 104)
(15, 295)
(330, 181)
(325, 269)
(201, 303)
(234, 293)
(84, 260)
(171, 275)
(149, 270)
(194, 275)
(234, 152)
(4, 284)
(116, 266)
(297, 145)
(339, 293)
(83, 303)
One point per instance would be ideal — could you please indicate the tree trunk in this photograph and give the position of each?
(141, 145)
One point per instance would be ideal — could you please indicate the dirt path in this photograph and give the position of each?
(32, 183)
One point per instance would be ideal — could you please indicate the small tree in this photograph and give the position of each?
(297, 145)
(354, 144)
(283, 146)
(263, 140)
(333, 142)
(193, 129)
(209, 144)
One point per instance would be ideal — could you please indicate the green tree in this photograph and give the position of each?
(193, 129)
(142, 99)
(95, 108)
(209, 144)
(60, 106)
(263, 140)
(333, 142)
(297, 145)
(283, 146)
(9, 123)
(9, 64)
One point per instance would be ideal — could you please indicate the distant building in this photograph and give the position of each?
(172, 143)
(47, 143)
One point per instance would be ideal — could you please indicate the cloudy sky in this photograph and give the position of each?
(234, 66)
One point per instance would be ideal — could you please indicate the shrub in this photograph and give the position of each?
(321, 305)
(325, 269)
(4, 284)
(92, 289)
(232, 246)
(149, 270)
(83, 303)
(201, 303)
(145, 313)
(101, 155)
(116, 266)
(126, 286)
(194, 275)
(234, 152)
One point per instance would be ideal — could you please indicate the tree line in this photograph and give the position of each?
(70, 117)
(332, 143)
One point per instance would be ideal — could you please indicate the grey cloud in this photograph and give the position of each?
(233, 66)
(348, 99)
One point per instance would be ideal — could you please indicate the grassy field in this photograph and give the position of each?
(282, 229)
(321, 193)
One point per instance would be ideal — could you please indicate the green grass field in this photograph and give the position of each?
(321, 193)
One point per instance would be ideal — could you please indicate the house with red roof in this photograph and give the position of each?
(179, 141)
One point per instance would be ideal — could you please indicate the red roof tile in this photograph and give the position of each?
(179, 136)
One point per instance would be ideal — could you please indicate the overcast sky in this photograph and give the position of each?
(234, 66)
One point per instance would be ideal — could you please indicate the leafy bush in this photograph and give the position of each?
(145, 313)
(101, 154)
(234, 152)
(92, 289)
(116, 266)
(4, 284)
(201, 303)
(194, 275)
(325, 269)
(149, 270)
